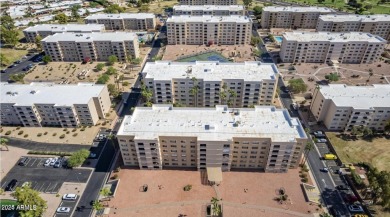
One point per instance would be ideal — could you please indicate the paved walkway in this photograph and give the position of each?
(204, 202)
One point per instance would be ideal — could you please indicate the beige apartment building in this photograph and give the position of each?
(206, 29)
(292, 17)
(378, 24)
(340, 107)
(53, 105)
(45, 30)
(235, 84)
(124, 21)
(208, 2)
(261, 138)
(330, 47)
(92, 46)
(214, 10)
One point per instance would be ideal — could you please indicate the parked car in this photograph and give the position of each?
(342, 187)
(349, 198)
(325, 169)
(17, 62)
(101, 137)
(23, 161)
(63, 210)
(47, 162)
(355, 208)
(92, 155)
(11, 185)
(321, 140)
(3, 71)
(295, 106)
(319, 134)
(58, 163)
(53, 161)
(69, 197)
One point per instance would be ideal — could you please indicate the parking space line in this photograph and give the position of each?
(47, 187)
(42, 187)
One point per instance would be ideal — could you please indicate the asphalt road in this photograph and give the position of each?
(19, 68)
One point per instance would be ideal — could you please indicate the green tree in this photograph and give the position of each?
(114, 9)
(105, 192)
(100, 66)
(144, 8)
(297, 85)
(78, 158)
(111, 71)
(332, 77)
(367, 132)
(3, 142)
(216, 207)
(112, 59)
(61, 18)
(75, 12)
(96, 205)
(195, 90)
(30, 24)
(320, 1)
(255, 40)
(87, 13)
(9, 33)
(370, 73)
(27, 196)
(355, 131)
(257, 10)
(3, 60)
(325, 215)
(247, 3)
(46, 59)
(38, 40)
(146, 94)
(387, 127)
(232, 94)
(133, 62)
(112, 90)
(103, 79)
(309, 146)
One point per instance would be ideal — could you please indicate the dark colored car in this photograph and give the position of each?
(342, 187)
(17, 62)
(3, 71)
(11, 185)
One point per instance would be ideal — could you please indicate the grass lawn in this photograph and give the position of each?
(156, 7)
(12, 55)
(375, 152)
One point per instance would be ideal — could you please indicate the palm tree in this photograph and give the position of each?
(216, 207)
(3, 142)
(223, 96)
(97, 206)
(309, 146)
(232, 94)
(147, 95)
(194, 91)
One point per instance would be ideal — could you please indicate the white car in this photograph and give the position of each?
(53, 161)
(321, 140)
(47, 162)
(92, 155)
(355, 208)
(69, 197)
(63, 210)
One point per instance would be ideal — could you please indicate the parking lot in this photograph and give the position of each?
(44, 179)
(70, 204)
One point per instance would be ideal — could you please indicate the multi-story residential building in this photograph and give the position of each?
(125, 21)
(340, 107)
(330, 47)
(208, 2)
(292, 17)
(92, 46)
(206, 84)
(49, 104)
(261, 138)
(214, 10)
(378, 24)
(206, 29)
(45, 30)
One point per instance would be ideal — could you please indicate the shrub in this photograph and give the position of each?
(117, 169)
(67, 132)
(116, 176)
(45, 133)
(39, 134)
(305, 180)
(20, 132)
(75, 134)
(56, 153)
(65, 129)
(18, 128)
(8, 132)
(187, 188)
(62, 136)
(25, 135)
(54, 134)
(82, 129)
(74, 130)
(303, 175)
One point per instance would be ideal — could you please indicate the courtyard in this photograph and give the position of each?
(166, 197)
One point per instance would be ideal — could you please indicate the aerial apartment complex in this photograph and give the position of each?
(235, 84)
(208, 2)
(91, 46)
(45, 30)
(206, 29)
(375, 24)
(53, 105)
(328, 47)
(163, 136)
(124, 21)
(292, 17)
(340, 107)
(214, 10)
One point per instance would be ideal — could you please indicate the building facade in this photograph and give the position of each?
(261, 138)
(208, 2)
(53, 105)
(45, 30)
(326, 47)
(375, 24)
(292, 17)
(207, 84)
(206, 29)
(340, 107)
(214, 10)
(91, 46)
(125, 21)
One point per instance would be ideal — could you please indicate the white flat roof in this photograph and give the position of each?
(331, 36)
(90, 37)
(210, 70)
(121, 16)
(297, 9)
(208, 7)
(65, 28)
(49, 93)
(212, 124)
(209, 19)
(363, 97)
(356, 18)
